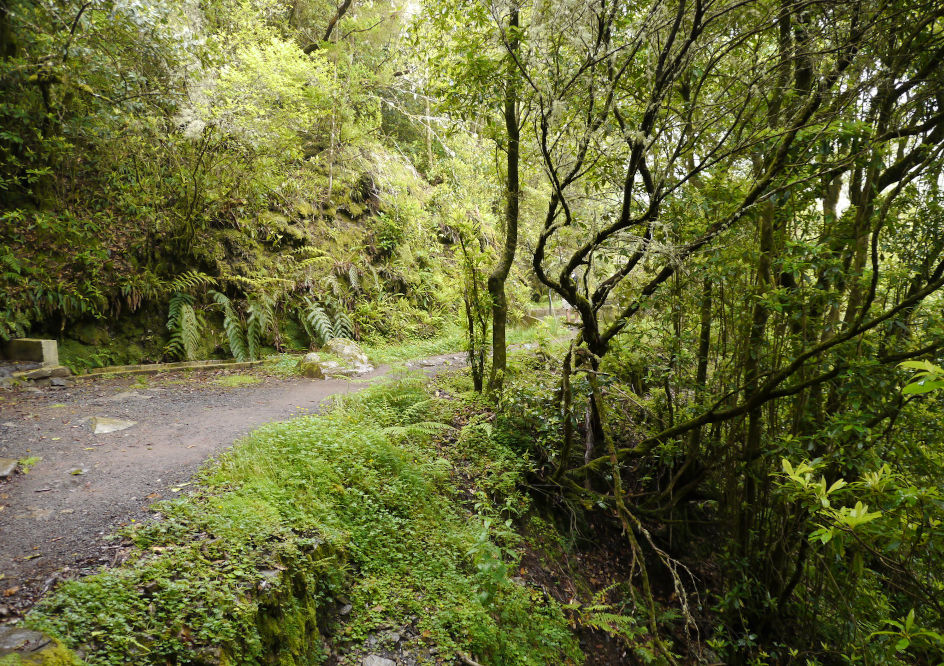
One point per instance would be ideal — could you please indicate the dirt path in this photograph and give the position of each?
(54, 520)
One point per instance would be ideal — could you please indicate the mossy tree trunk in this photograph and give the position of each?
(496, 281)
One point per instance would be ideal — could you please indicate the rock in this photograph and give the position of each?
(374, 660)
(310, 366)
(346, 609)
(59, 382)
(335, 369)
(347, 350)
(104, 424)
(353, 360)
(7, 467)
(22, 641)
(43, 373)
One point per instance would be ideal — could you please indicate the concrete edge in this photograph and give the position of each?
(155, 368)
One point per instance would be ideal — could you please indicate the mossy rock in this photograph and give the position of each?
(24, 647)
(90, 333)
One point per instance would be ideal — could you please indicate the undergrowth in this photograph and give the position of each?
(368, 488)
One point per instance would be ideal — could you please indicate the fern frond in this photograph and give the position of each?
(259, 321)
(353, 277)
(343, 326)
(335, 285)
(185, 327)
(232, 326)
(189, 281)
(318, 322)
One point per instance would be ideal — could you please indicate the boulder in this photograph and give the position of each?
(350, 354)
(346, 349)
(351, 361)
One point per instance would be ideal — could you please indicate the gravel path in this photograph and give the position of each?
(54, 519)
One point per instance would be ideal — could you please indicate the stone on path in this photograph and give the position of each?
(7, 467)
(105, 424)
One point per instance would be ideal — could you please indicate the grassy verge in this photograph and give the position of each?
(362, 501)
(454, 339)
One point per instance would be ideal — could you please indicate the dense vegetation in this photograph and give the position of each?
(739, 202)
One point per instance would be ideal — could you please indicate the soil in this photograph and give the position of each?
(56, 520)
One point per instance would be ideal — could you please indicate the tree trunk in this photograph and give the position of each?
(496, 281)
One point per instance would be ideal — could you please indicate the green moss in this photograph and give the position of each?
(233, 381)
(54, 654)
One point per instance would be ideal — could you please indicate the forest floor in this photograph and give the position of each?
(56, 520)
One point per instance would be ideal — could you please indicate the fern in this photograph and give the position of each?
(343, 327)
(185, 326)
(260, 320)
(335, 285)
(233, 327)
(189, 281)
(424, 430)
(354, 278)
(317, 322)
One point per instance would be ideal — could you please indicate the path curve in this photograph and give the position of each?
(54, 520)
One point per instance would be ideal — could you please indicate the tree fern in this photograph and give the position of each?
(233, 327)
(185, 326)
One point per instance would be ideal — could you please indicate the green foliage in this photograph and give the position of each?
(232, 325)
(185, 328)
(233, 381)
(260, 319)
(366, 481)
(929, 378)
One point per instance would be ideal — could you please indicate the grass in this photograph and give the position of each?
(454, 339)
(26, 464)
(235, 381)
(450, 340)
(371, 487)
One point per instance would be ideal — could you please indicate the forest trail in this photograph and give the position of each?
(54, 520)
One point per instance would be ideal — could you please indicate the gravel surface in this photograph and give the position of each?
(55, 519)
